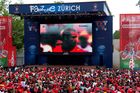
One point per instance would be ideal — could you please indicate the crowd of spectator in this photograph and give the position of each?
(68, 79)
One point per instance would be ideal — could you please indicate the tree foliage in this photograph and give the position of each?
(116, 35)
(17, 25)
(4, 7)
(18, 32)
(138, 4)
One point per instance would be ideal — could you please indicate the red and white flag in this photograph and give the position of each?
(131, 63)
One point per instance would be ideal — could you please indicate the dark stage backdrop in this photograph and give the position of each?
(102, 44)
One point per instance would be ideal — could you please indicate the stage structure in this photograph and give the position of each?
(67, 33)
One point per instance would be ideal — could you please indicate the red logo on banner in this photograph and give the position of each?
(12, 56)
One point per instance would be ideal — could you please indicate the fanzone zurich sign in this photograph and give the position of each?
(60, 8)
(55, 8)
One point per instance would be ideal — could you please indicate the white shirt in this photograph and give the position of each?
(88, 48)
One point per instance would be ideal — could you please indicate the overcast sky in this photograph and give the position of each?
(116, 7)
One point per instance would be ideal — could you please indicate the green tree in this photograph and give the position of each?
(18, 32)
(17, 24)
(138, 4)
(4, 7)
(116, 35)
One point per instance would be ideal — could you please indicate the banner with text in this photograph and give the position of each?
(130, 41)
(3, 33)
(6, 41)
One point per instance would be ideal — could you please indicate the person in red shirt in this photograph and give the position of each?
(69, 42)
(130, 90)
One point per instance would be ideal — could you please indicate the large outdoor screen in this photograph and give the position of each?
(68, 38)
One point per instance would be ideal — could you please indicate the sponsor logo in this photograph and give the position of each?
(95, 7)
(101, 25)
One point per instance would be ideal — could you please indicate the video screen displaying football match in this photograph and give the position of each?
(69, 38)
